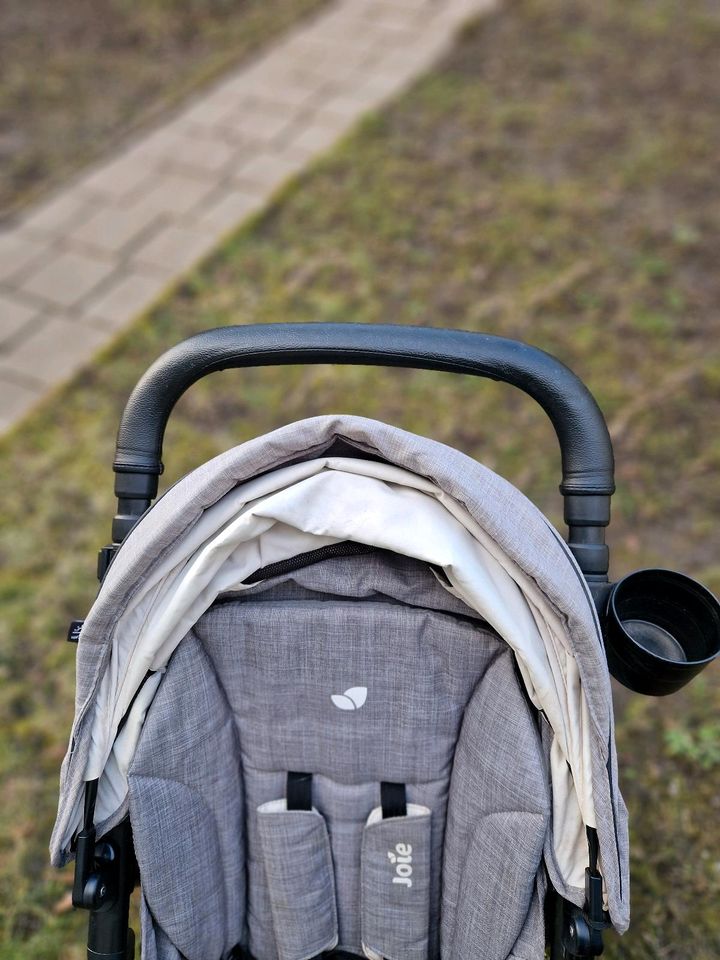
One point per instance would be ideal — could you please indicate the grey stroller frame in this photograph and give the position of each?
(660, 628)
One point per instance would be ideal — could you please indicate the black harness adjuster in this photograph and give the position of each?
(393, 800)
(299, 791)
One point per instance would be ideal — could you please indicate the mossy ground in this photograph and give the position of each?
(78, 75)
(555, 179)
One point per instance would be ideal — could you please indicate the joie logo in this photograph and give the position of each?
(352, 699)
(401, 859)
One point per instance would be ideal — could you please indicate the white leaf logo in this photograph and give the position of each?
(352, 699)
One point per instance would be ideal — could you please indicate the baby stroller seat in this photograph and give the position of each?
(343, 690)
(349, 855)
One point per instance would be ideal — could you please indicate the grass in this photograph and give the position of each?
(77, 76)
(554, 180)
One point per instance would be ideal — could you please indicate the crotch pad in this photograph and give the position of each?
(395, 885)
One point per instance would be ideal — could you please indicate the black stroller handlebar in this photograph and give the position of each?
(587, 455)
(586, 449)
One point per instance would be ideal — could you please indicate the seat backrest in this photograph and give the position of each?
(341, 757)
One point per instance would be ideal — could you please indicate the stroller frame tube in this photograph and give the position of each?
(585, 445)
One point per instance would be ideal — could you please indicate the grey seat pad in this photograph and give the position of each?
(248, 696)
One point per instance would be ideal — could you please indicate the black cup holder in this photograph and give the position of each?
(661, 628)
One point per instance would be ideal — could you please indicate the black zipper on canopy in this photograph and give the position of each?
(346, 548)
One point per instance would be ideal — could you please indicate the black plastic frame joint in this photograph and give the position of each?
(106, 555)
(136, 486)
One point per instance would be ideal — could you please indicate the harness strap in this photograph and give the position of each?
(393, 800)
(299, 791)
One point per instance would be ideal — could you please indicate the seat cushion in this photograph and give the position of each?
(301, 675)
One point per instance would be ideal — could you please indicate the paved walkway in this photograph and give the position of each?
(80, 267)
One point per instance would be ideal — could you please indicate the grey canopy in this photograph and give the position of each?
(312, 484)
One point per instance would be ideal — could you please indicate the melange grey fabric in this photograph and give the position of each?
(530, 942)
(476, 865)
(281, 664)
(253, 684)
(379, 576)
(239, 706)
(300, 880)
(186, 808)
(497, 816)
(395, 867)
(154, 942)
(345, 808)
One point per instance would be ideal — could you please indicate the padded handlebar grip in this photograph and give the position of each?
(587, 457)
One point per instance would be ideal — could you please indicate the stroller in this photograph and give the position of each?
(344, 692)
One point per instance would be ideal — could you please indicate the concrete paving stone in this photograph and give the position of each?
(112, 228)
(330, 28)
(377, 33)
(328, 72)
(207, 112)
(403, 8)
(176, 248)
(160, 145)
(283, 76)
(14, 317)
(231, 93)
(382, 85)
(424, 6)
(261, 125)
(292, 76)
(264, 66)
(327, 49)
(340, 23)
(174, 193)
(66, 277)
(57, 215)
(429, 46)
(229, 208)
(127, 297)
(55, 350)
(267, 171)
(15, 401)
(274, 93)
(202, 153)
(349, 104)
(316, 136)
(458, 12)
(336, 113)
(397, 76)
(119, 178)
(18, 252)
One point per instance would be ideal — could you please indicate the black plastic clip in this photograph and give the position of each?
(105, 558)
(579, 939)
(92, 885)
(596, 915)
(583, 929)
